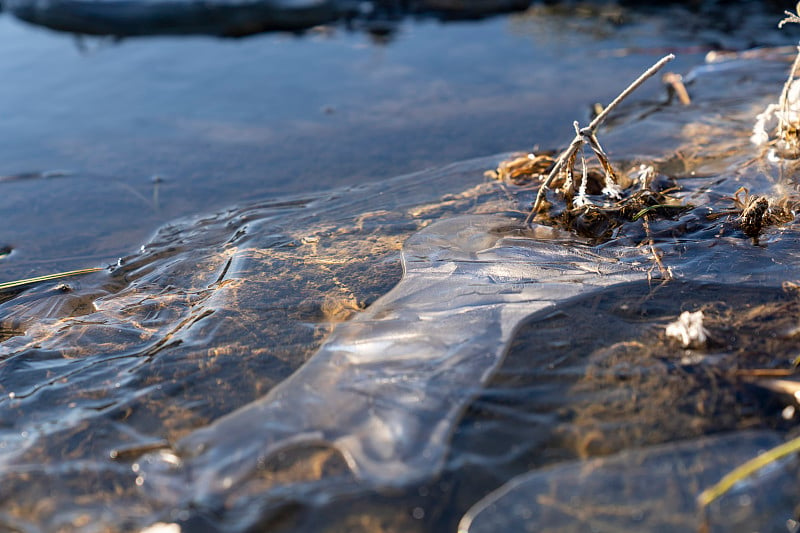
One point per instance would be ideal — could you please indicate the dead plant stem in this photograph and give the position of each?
(49, 277)
(584, 134)
(783, 103)
(666, 274)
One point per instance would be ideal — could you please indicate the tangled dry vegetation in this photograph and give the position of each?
(592, 199)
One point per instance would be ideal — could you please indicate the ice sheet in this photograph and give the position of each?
(386, 387)
(652, 489)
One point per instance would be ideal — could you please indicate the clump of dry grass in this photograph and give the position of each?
(754, 213)
(522, 168)
(573, 189)
(591, 198)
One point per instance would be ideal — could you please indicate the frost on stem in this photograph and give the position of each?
(591, 199)
(594, 201)
(778, 126)
(581, 200)
(563, 165)
(791, 17)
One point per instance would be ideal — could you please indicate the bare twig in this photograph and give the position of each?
(587, 134)
(566, 156)
(788, 84)
(666, 273)
(599, 119)
(790, 17)
(675, 82)
(783, 103)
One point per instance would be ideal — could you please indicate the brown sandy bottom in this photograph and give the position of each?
(598, 375)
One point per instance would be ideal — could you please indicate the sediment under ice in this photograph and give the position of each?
(386, 387)
(652, 489)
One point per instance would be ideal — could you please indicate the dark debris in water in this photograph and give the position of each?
(236, 19)
(594, 216)
(755, 213)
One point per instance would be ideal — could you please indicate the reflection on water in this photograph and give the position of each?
(219, 122)
(204, 381)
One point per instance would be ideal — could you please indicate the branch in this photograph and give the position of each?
(599, 119)
(783, 103)
(790, 17)
(589, 132)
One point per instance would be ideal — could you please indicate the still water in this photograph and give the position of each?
(149, 130)
(245, 193)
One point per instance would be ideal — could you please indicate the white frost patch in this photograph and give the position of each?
(776, 115)
(689, 330)
(612, 190)
(645, 175)
(161, 527)
(760, 134)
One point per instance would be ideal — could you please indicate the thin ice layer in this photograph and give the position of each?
(386, 387)
(209, 315)
(653, 489)
(391, 420)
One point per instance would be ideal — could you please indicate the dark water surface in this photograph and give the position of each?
(228, 121)
(246, 368)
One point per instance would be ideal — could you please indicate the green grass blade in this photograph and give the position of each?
(646, 210)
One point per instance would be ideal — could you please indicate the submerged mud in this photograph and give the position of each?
(271, 368)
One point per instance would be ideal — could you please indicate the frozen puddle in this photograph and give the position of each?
(227, 308)
(386, 388)
(653, 489)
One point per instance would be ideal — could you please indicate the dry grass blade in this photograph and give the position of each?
(520, 168)
(49, 277)
(746, 470)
